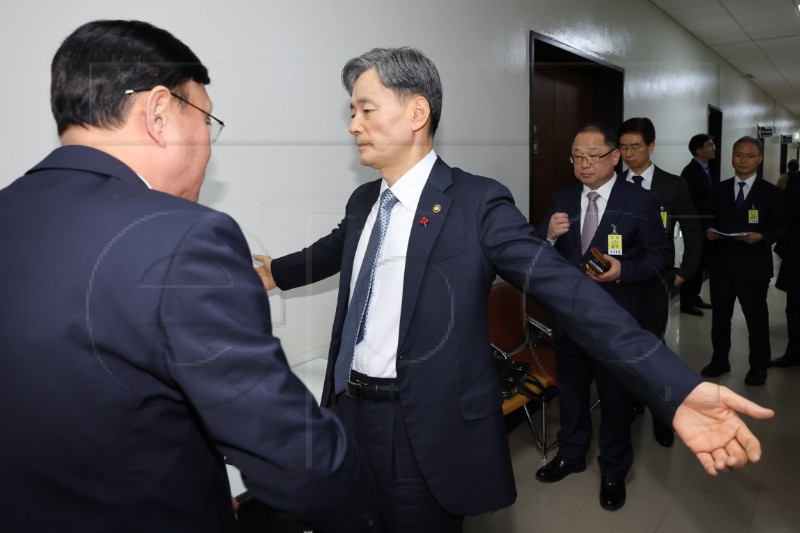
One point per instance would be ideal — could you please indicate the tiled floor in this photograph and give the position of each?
(667, 489)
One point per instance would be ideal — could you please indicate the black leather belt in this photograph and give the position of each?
(376, 393)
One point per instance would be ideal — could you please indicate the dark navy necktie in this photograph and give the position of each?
(740, 196)
(638, 181)
(353, 329)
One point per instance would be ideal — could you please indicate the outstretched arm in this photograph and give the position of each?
(708, 424)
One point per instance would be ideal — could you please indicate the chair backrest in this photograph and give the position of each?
(508, 328)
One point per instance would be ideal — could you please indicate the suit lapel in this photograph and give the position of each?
(423, 237)
(358, 219)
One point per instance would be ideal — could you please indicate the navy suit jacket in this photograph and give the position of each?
(137, 352)
(449, 390)
(633, 213)
(735, 258)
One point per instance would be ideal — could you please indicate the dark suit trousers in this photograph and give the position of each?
(690, 290)
(575, 372)
(406, 503)
(752, 295)
(652, 309)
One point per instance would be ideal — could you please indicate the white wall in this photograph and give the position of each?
(285, 164)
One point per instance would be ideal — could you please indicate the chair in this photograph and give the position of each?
(517, 337)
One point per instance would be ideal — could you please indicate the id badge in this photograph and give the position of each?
(614, 244)
(752, 216)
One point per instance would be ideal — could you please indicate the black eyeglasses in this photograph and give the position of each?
(591, 159)
(214, 124)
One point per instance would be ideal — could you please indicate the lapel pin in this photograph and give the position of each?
(437, 208)
(424, 221)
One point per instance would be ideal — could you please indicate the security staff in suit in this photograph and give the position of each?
(748, 214)
(631, 237)
(143, 356)
(410, 370)
(637, 140)
(698, 178)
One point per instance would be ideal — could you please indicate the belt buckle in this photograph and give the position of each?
(353, 389)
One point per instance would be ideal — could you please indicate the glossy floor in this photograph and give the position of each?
(668, 491)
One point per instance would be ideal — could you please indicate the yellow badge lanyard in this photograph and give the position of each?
(752, 215)
(614, 242)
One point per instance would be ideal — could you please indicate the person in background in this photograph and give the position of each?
(637, 140)
(622, 221)
(783, 179)
(788, 248)
(698, 178)
(747, 214)
(145, 357)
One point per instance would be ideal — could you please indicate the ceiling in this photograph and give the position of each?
(760, 38)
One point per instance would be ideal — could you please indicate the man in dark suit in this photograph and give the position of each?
(637, 140)
(410, 370)
(143, 356)
(788, 248)
(698, 178)
(630, 236)
(748, 214)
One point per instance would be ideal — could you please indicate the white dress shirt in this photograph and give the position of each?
(376, 354)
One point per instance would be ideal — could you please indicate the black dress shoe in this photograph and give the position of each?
(557, 469)
(785, 361)
(714, 370)
(663, 433)
(612, 493)
(700, 304)
(692, 310)
(755, 377)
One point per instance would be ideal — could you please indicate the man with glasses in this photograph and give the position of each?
(410, 370)
(143, 355)
(747, 214)
(637, 140)
(622, 222)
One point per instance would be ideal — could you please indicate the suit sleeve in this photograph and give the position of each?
(219, 350)
(651, 371)
(321, 260)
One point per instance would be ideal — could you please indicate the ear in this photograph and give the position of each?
(651, 147)
(421, 112)
(615, 156)
(156, 114)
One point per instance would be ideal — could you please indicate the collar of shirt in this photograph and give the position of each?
(409, 187)
(647, 176)
(704, 165)
(145, 182)
(604, 191)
